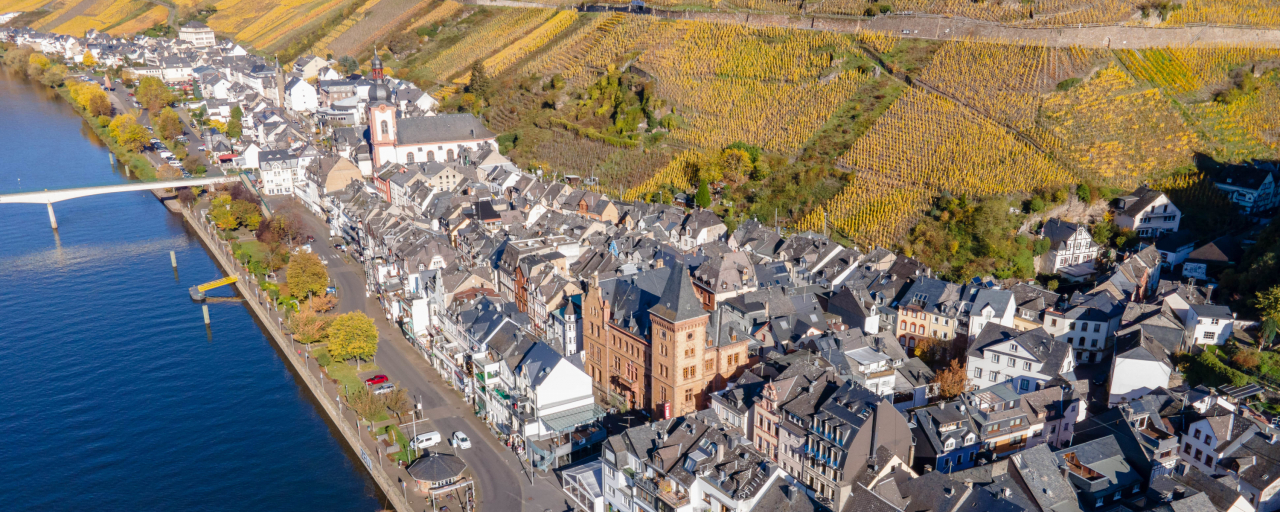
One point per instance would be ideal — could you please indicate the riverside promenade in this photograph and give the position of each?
(395, 483)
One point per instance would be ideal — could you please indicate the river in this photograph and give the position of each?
(113, 395)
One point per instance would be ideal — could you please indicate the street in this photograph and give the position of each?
(123, 103)
(492, 464)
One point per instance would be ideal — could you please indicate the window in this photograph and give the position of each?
(951, 443)
(385, 131)
(1198, 454)
(995, 358)
(1013, 362)
(1072, 326)
(688, 395)
(995, 376)
(1024, 385)
(1013, 347)
(1096, 327)
(408, 157)
(1016, 422)
(1099, 504)
(977, 373)
(1196, 434)
(1208, 460)
(1117, 496)
(1093, 343)
(1053, 322)
(1071, 341)
(993, 427)
(1208, 335)
(1187, 448)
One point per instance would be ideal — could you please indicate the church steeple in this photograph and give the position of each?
(375, 66)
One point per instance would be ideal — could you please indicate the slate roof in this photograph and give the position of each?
(1039, 469)
(1043, 347)
(444, 128)
(1058, 231)
(781, 496)
(1224, 249)
(1103, 456)
(1139, 200)
(437, 467)
(678, 301)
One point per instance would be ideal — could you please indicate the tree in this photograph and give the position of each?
(479, 84)
(737, 164)
(353, 336)
(54, 76)
(153, 94)
(931, 350)
(168, 172)
(309, 326)
(234, 129)
(191, 162)
(220, 212)
(306, 275)
(952, 381)
(167, 123)
(703, 196)
(247, 213)
(88, 61)
(99, 105)
(349, 64)
(127, 132)
(1268, 304)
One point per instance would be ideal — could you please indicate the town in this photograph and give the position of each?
(650, 357)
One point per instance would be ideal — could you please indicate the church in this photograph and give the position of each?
(407, 140)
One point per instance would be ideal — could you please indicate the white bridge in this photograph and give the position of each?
(48, 197)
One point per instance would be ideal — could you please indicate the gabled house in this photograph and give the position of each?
(1099, 472)
(991, 306)
(1026, 360)
(951, 437)
(1005, 423)
(1086, 324)
(1148, 212)
(1251, 186)
(1070, 244)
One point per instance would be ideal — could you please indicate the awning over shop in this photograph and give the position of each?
(567, 420)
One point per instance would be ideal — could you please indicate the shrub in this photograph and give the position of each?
(1068, 84)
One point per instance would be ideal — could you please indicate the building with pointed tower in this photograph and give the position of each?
(650, 344)
(407, 140)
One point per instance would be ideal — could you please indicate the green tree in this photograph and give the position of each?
(1102, 232)
(167, 123)
(349, 64)
(479, 84)
(247, 214)
(234, 129)
(307, 276)
(353, 336)
(1268, 304)
(703, 197)
(221, 214)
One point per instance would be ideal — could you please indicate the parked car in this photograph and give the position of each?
(460, 441)
(310, 238)
(384, 389)
(375, 380)
(331, 290)
(426, 440)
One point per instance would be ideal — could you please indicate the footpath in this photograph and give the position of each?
(394, 481)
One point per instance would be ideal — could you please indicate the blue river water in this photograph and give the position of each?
(113, 396)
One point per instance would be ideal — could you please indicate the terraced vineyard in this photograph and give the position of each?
(269, 24)
(373, 20)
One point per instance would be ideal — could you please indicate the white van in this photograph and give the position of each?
(426, 440)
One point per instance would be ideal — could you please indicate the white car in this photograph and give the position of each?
(460, 441)
(383, 389)
(426, 440)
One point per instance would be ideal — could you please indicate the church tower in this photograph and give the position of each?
(382, 117)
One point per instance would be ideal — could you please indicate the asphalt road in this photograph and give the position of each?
(495, 467)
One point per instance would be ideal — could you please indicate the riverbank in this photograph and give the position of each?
(301, 363)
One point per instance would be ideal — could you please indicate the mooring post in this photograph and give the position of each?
(53, 221)
(206, 313)
(173, 258)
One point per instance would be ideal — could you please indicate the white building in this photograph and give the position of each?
(1087, 325)
(1029, 359)
(559, 394)
(1141, 365)
(1252, 187)
(1211, 324)
(1070, 244)
(199, 34)
(1205, 441)
(1148, 212)
(279, 171)
(301, 96)
(991, 306)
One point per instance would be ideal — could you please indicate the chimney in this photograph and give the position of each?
(1208, 295)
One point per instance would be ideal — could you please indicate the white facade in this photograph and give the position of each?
(1008, 360)
(1158, 217)
(1199, 447)
(1212, 326)
(1079, 248)
(201, 36)
(1087, 338)
(302, 97)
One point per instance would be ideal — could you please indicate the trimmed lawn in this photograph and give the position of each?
(347, 374)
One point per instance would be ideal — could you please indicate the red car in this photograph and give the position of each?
(375, 380)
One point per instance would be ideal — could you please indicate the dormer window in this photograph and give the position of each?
(1013, 347)
(969, 439)
(951, 444)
